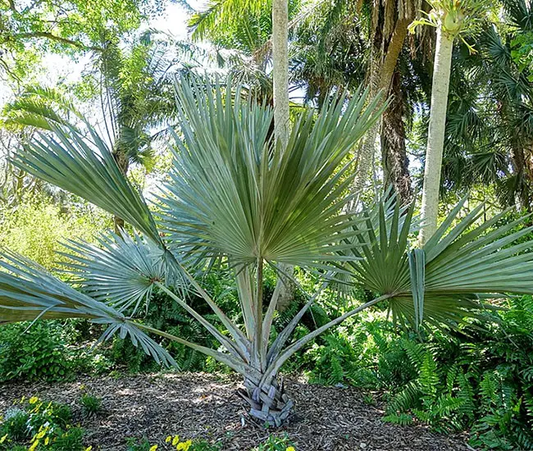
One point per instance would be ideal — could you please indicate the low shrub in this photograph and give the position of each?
(37, 352)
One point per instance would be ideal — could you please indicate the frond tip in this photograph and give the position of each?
(28, 293)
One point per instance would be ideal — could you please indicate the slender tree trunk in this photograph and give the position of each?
(437, 129)
(395, 161)
(123, 164)
(280, 59)
(523, 177)
(380, 79)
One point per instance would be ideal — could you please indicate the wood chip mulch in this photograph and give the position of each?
(195, 405)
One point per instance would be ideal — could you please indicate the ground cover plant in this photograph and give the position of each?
(237, 196)
(33, 424)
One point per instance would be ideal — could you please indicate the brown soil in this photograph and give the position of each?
(206, 406)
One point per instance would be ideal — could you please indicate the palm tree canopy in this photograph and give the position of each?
(248, 198)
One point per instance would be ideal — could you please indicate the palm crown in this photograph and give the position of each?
(235, 194)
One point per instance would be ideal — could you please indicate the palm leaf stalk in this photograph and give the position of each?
(235, 194)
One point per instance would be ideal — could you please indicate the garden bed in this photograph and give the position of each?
(206, 406)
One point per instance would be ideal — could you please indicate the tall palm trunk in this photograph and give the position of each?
(280, 60)
(437, 128)
(395, 161)
(380, 79)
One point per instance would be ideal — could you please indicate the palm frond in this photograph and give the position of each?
(234, 192)
(87, 168)
(121, 270)
(445, 281)
(28, 292)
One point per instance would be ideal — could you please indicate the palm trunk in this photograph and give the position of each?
(268, 401)
(280, 57)
(395, 161)
(437, 128)
(380, 79)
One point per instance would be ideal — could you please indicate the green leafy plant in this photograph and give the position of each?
(276, 443)
(92, 405)
(15, 425)
(172, 443)
(31, 353)
(479, 380)
(34, 423)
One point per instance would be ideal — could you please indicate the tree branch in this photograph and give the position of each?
(53, 37)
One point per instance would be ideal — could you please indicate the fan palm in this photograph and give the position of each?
(235, 194)
(489, 125)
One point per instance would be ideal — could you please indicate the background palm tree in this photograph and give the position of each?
(488, 127)
(134, 92)
(452, 19)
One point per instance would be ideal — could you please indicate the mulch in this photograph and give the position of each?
(197, 405)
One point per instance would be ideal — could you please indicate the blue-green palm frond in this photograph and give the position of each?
(86, 167)
(463, 263)
(28, 292)
(121, 270)
(234, 192)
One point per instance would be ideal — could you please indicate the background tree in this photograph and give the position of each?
(452, 19)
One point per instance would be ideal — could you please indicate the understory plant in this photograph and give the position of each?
(33, 353)
(33, 423)
(235, 195)
(480, 380)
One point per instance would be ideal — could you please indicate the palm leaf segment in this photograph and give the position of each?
(444, 281)
(86, 167)
(121, 269)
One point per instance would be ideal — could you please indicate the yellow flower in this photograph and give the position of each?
(176, 440)
(47, 440)
(184, 446)
(168, 439)
(41, 434)
(153, 448)
(33, 400)
(290, 448)
(3, 439)
(34, 445)
(89, 448)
